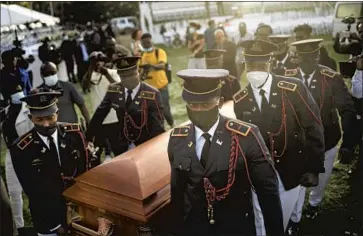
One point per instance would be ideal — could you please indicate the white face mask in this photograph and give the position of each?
(257, 78)
(51, 80)
(15, 98)
(148, 49)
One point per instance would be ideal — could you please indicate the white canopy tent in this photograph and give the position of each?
(14, 15)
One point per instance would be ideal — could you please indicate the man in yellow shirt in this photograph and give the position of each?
(152, 64)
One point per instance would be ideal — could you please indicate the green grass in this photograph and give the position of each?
(334, 203)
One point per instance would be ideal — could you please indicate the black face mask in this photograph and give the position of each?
(308, 66)
(45, 130)
(203, 119)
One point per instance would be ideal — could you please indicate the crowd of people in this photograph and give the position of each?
(284, 138)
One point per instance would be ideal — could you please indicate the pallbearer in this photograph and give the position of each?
(138, 107)
(281, 59)
(215, 162)
(46, 160)
(332, 96)
(289, 120)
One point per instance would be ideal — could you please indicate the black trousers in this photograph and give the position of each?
(82, 68)
(108, 140)
(70, 69)
(164, 92)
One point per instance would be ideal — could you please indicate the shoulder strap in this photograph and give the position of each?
(157, 53)
(180, 131)
(238, 127)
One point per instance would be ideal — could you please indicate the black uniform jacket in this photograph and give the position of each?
(331, 94)
(142, 121)
(291, 127)
(233, 212)
(41, 176)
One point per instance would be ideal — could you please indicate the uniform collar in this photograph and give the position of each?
(303, 74)
(211, 131)
(134, 91)
(266, 87)
(45, 138)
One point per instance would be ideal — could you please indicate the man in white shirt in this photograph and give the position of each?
(46, 160)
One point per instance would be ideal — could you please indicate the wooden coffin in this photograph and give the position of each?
(130, 190)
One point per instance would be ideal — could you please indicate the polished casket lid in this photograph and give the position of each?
(134, 176)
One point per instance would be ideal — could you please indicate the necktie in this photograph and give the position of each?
(205, 150)
(306, 80)
(129, 98)
(53, 149)
(264, 102)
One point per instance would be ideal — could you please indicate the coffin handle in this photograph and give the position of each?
(85, 230)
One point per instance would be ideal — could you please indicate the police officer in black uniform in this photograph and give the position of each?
(138, 106)
(289, 120)
(230, 85)
(332, 96)
(46, 160)
(215, 161)
(281, 59)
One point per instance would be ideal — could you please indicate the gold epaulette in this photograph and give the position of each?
(147, 95)
(114, 88)
(180, 131)
(238, 127)
(291, 72)
(240, 95)
(287, 85)
(24, 141)
(328, 73)
(68, 127)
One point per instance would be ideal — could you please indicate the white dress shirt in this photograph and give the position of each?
(357, 84)
(55, 139)
(134, 92)
(200, 140)
(98, 92)
(310, 77)
(266, 87)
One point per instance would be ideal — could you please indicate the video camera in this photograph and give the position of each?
(146, 69)
(349, 43)
(19, 53)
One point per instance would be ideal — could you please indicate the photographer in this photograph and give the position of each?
(96, 81)
(347, 42)
(153, 64)
(12, 71)
(352, 43)
(48, 52)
